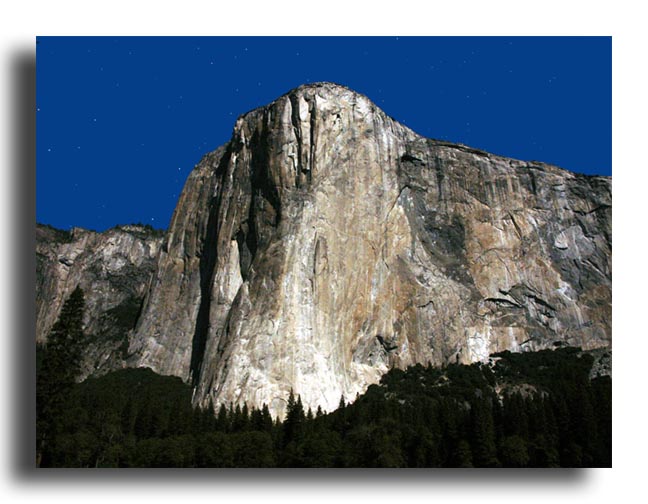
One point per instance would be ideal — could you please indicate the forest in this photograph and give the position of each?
(531, 409)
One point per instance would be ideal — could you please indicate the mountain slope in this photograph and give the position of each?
(113, 268)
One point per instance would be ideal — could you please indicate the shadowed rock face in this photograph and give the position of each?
(113, 269)
(326, 243)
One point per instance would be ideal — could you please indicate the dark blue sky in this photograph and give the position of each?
(122, 121)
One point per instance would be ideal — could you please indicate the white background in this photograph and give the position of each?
(19, 24)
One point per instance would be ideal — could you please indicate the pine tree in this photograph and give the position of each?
(340, 419)
(237, 419)
(60, 366)
(222, 422)
(266, 419)
(295, 418)
(245, 417)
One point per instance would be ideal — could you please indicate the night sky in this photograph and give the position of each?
(122, 121)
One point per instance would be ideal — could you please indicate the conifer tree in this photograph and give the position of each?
(245, 417)
(340, 420)
(60, 366)
(237, 420)
(266, 419)
(293, 424)
(222, 422)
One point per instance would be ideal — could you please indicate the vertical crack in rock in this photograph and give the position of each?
(312, 130)
(264, 189)
(208, 259)
(293, 102)
(207, 264)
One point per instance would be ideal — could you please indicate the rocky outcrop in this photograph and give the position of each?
(113, 269)
(326, 243)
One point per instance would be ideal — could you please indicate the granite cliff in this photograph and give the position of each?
(113, 269)
(326, 243)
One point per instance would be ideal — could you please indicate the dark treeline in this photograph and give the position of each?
(547, 414)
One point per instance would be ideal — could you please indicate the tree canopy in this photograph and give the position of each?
(538, 409)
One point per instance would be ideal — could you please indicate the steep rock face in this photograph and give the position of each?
(113, 269)
(326, 243)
